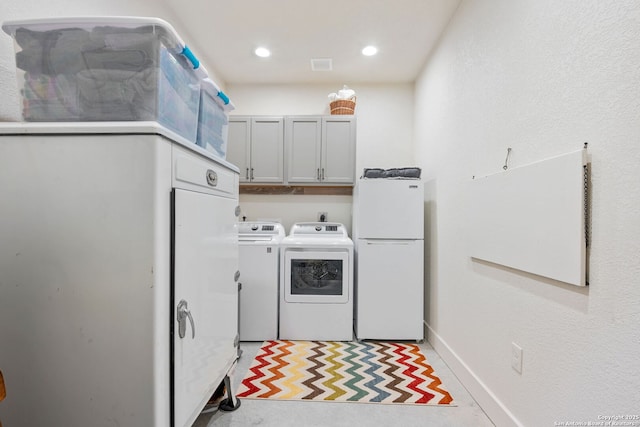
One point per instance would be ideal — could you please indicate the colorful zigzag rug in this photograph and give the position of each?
(364, 372)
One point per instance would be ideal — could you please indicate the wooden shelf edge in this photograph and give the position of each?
(328, 190)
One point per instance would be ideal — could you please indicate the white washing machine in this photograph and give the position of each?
(316, 283)
(259, 245)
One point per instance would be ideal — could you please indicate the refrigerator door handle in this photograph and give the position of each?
(183, 314)
(390, 242)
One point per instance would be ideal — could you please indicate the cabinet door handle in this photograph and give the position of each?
(183, 314)
(318, 174)
(322, 174)
(251, 174)
(247, 175)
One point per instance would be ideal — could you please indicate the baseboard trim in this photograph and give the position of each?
(488, 401)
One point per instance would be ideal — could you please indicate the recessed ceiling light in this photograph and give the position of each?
(263, 52)
(369, 51)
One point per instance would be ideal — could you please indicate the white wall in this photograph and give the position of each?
(30, 9)
(384, 139)
(542, 77)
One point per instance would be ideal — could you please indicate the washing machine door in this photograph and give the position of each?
(316, 277)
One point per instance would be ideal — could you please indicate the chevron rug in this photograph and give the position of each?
(363, 372)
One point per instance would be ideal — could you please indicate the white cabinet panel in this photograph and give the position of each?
(84, 264)
(88, 279)
(205, 298)
(259, 294)
(532, 218)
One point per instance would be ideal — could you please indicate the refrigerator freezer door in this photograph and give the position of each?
(389, 209)
(390, 289)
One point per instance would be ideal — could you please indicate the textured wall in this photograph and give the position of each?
(542, 77)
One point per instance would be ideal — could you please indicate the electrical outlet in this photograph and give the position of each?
(516, 357)
(323, 217)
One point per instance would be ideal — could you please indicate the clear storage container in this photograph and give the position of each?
(213, 120)
(106, 69)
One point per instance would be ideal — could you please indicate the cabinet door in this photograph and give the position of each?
(205, 299)
(338, 150)
(238, 143)
(267, 150)
(303, 142)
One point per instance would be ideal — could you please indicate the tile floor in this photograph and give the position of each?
(320, 414)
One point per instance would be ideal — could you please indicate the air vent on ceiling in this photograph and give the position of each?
(321, 64)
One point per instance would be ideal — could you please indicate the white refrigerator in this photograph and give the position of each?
(388, 233)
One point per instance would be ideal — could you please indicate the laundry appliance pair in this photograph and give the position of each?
(315, 286)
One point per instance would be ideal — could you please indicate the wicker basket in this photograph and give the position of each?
(343, 107)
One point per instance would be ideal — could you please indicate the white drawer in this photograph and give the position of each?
(193, 172)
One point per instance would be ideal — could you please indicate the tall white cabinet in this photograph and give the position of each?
(118, 293)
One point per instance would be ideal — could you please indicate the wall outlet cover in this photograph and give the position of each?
(516, 357)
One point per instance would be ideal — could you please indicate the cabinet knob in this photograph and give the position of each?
(212, 178)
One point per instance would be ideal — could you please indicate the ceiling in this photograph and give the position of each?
(227, 33)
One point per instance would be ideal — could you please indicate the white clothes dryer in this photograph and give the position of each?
(259, 247)
(316, 283)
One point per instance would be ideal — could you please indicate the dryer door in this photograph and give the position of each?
(316, 276)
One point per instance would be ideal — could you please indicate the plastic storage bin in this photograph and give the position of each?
(106, 69)
(213, 120)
